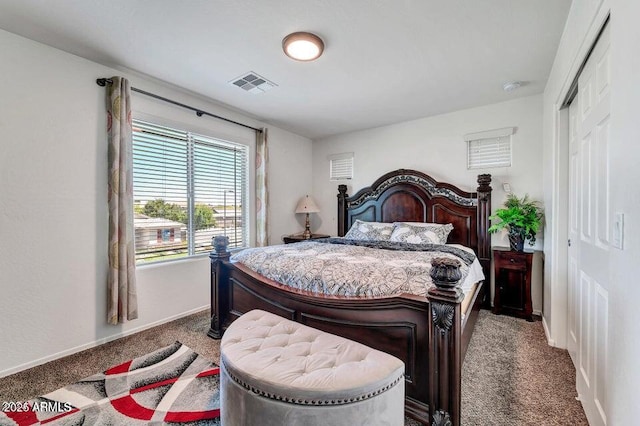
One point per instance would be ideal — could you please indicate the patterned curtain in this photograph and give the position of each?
(262, 192)
(122, 303)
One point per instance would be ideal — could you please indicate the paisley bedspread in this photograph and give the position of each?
(344, 268)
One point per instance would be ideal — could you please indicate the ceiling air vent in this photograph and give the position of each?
(252, 82)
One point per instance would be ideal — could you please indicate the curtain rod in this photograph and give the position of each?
(104, 81)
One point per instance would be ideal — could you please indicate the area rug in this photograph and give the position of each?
(173, 385)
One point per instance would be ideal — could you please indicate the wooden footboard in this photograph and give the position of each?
(430, 338)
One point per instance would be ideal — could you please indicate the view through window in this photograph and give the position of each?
(187, 188)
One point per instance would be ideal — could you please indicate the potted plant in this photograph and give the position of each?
(521, 217)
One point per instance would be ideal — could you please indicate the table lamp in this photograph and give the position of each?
(307, 205)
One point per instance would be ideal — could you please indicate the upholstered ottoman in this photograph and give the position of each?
(278, 372)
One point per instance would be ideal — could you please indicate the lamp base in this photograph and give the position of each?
(307, 229)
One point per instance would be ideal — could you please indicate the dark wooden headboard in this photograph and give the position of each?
(411, 196)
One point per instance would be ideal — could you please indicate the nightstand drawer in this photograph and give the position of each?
(513, 262)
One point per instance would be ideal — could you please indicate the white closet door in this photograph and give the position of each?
(572, 270)
(589, 232)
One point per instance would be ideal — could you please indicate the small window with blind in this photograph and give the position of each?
(341, 166)
(187, 188)
(489, 149)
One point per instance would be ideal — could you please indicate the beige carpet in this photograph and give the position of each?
(510, 377)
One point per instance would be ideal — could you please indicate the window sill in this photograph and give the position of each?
(195, 258)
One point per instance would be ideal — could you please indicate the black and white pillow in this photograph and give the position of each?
(421, 233)
(370, 231)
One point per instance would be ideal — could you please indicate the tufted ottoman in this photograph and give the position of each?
(278, 372)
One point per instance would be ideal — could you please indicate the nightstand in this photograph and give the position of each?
(512, 271)
(298, 237)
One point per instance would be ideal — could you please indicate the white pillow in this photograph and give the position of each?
(421, 233)
(370, 231)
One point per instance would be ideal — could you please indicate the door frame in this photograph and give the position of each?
(556, 251)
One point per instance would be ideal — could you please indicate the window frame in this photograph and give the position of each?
(236, 139)
(487, 142)
(341, 166)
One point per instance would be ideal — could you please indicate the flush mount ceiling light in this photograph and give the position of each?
(302, 46)
(511, 86)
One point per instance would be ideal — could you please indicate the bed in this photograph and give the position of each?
(430, 333)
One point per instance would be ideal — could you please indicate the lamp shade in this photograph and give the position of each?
(307, 205)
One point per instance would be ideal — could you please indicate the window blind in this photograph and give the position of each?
(487, 153)
(187, 189)
(341, 166)
(220, 180)
(489, 148)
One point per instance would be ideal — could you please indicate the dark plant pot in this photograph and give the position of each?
(516, 241)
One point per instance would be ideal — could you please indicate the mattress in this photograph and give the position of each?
(354, 270)
(475, 274)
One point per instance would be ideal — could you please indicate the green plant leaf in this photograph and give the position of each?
(520, 216)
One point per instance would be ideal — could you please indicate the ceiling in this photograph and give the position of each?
(384, 61)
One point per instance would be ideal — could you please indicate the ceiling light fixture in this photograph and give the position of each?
(511, 86)
(303, 46)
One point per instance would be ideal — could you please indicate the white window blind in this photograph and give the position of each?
(187, 188)
(489, 149)
(341, 166)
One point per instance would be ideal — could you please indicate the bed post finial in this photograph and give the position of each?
(220, 244)
(445, 342)
(342, 210)
(218, 289)
(484, 184)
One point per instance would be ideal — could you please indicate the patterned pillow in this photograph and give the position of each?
(370, 231)
(421, 233)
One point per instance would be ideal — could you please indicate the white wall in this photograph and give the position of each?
(585, 18)
(53, 214)
(290, 178)
(436, 146)
(624, 318)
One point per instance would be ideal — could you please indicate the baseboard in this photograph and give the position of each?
(98, 342)
(550, 341)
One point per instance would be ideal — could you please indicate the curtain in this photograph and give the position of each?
(122, 300)
(262, 192)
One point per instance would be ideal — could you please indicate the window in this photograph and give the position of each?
(166, 235)
(341, 166)
(187, 188)
(489, 149)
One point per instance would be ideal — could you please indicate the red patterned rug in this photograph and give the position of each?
(172, 385)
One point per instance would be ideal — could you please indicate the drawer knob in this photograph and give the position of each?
(512, 260)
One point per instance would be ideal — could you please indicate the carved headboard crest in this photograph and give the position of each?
(429, 185)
